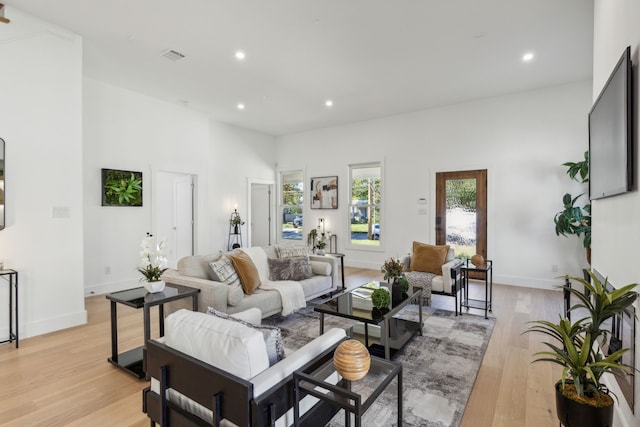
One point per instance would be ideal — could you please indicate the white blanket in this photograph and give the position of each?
(291, 294)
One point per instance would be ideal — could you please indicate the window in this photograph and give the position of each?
(291, 203)
(366, 195)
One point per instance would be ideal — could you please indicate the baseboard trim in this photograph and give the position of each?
(52, 324)
(107, 288)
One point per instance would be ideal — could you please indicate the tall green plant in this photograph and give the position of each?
(574, 219)
(573, 346)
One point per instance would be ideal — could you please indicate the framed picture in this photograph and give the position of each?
(121, 188)
(324, 192)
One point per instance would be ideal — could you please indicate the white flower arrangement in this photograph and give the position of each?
(153, 261)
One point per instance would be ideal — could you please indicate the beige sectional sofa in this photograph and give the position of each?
(195, 271)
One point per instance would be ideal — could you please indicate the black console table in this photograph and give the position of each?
(11, 277)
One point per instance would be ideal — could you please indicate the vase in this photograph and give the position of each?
(574, 414)
(235, 229)
(352, 360)
(154, 287)
(396, 292)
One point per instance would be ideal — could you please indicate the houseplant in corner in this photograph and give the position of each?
(573, 219)
(153, 263)
(581, 398)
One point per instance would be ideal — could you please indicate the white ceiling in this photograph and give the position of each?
(373, 58)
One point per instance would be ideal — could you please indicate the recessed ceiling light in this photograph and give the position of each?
(240, 55)
(240, 106)
(328, 103)
(527, 56)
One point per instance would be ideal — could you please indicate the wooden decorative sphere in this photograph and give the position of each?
(352, 360)
(477, 260)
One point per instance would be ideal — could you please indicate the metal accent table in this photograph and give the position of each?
(133, 361)
(13, 310)
(485, 304)
(356, 305)
(320, 379)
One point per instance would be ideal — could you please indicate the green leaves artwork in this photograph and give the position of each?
(121, 188)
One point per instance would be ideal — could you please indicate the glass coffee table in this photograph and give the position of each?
(356, 305)
(320, 379)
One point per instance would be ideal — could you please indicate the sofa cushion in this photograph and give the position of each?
(297, 268)
(197, 265)
(321, 268)
(259, 258)
(222, 271)
(225, 344)
(247, 271)
(428, 258)
(289, 251)
(272, 336)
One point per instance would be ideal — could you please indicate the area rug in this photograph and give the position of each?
(439, 368)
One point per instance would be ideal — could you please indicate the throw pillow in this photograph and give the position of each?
(428, 258)
(287, 251)
(222, 271)
(272, 336)
(247, 271)
(289, 268)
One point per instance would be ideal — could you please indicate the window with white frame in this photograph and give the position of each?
(365, 197)
(291, 203)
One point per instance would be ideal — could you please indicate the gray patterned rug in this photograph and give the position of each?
(439, 368)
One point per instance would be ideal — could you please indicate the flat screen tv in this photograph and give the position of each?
(610, 134)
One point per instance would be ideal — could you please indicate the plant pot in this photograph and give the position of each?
(396, 292)
(235, 229)
(575, 414)
(154, 287)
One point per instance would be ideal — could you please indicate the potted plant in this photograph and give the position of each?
(153, 263)
(393, 270)
(311, 238)
(380, 298)
(574, 219)
(581, 398)
(321, 245)
(236, 221)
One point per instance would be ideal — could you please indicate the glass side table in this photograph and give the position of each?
(487, 272)
(11, 277)
(133, 361)
(321, 380)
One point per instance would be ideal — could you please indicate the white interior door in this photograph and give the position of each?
(174, 214)
(260, 214)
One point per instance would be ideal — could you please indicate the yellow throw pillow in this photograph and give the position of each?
(428, 258)
(247, 271)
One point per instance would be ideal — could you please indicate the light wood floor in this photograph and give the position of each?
(63, 378)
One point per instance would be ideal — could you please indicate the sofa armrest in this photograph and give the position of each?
(212, 293)
(447, 276)
(333, 262)
(268, 378)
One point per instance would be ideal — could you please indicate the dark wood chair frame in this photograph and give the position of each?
(228, 396)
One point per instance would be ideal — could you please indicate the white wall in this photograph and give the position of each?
(240, 155)
(616, 223)
(522, 139)
(130, 131)
(40, 120)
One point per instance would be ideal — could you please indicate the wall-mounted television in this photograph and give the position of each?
(610, 134)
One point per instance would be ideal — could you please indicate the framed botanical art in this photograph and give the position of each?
(121, 188)
(324, 192)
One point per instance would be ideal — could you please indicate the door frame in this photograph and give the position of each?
(481, 206)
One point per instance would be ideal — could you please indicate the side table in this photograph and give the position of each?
(11, 277)
(133, 361)
(487, 271)
(355, 397)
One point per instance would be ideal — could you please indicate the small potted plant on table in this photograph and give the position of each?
(393, 271)
(581, 399)
(153, 263)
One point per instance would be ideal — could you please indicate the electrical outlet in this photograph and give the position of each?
(107, 270)
(554, 268)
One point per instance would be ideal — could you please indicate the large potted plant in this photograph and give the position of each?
(574, 219)
(581, 398)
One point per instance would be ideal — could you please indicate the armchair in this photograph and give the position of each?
(435, 270)
(211, 371)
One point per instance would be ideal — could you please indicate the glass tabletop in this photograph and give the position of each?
(137, 297)
(357, 304)
(368, 388)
